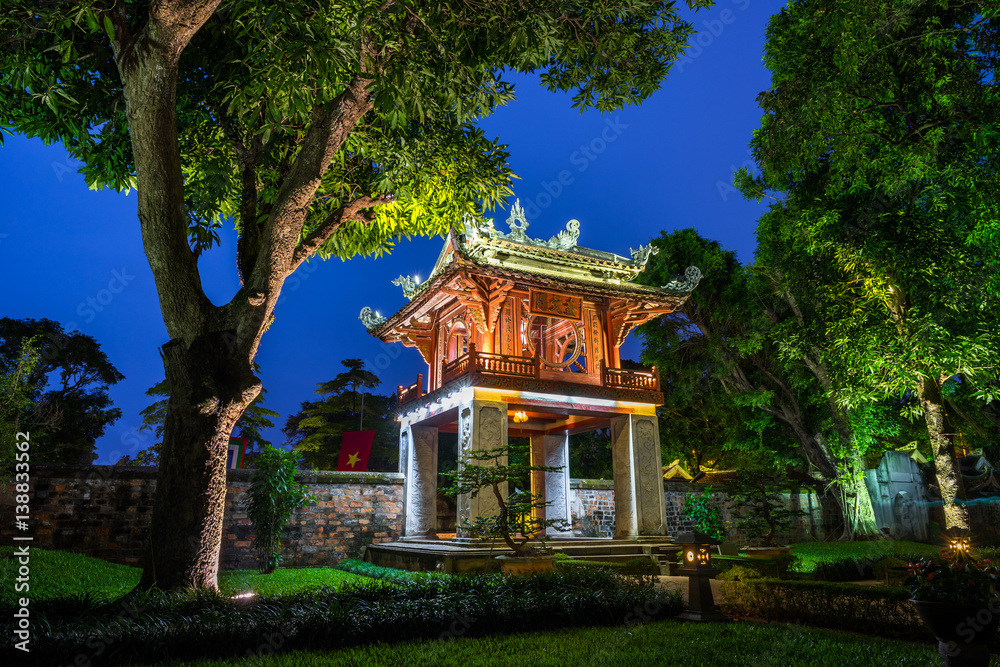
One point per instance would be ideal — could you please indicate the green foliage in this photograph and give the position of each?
(731, 400)
(780, 566)
(865, 609)
(250, 426)
(17, 401)
(184, 626)
(880, 130)
(762, 510)
(59, 384)
(953, 578)
(487, 471)
(63, 577)
(706, 515)
(813, 554)
(317, 431)
(735, 572)
(635, 567)
(590, 454)
(389, 574)
(272, 497)
(638, 645)
(252, 76)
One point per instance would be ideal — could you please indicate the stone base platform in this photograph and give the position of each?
(456, 556)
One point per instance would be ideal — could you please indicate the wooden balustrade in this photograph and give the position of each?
(628, 379)
(489, 363)
(415, 390)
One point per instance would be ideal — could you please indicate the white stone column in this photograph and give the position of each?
(420, 446)
(481, 425)
(553, 487)
(640, 508)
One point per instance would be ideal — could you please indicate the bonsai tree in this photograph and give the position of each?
(517, 523)
(763, 512)
(273, 496)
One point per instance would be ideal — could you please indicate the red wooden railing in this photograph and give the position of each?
(489, 363)
(415, 390)
(622, 378)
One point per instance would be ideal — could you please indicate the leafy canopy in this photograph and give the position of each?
(252, 78)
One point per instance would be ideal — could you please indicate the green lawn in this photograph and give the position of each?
(812, 553)
(61, 574)
(653, 644)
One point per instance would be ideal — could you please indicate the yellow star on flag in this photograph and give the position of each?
(352, 459)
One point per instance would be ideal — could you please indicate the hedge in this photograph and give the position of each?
(867, 609)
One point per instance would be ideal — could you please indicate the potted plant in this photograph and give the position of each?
(762, 512)
(956, 597)
(517, 521)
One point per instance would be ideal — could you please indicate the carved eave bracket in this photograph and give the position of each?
(630, 314)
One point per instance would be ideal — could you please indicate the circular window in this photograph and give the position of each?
(558, 341)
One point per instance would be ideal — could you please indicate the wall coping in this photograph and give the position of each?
(77, 471)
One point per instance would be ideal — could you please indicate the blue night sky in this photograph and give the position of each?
(75, 256)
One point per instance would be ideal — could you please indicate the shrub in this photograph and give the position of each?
(780, 566)
(180, 627)
(700, 509)
(637, 567)
(273, 496)
(852, 568)
(739, 573)
(391, 574)
(867, 609)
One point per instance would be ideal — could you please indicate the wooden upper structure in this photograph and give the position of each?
(508, 311)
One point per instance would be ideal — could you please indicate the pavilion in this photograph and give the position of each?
(521, 337)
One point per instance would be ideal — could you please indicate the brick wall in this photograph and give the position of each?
(104, 511)
(592, 504)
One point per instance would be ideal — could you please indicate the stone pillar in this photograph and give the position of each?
(481, 425)
(552, 487)
(419, 446)
(640, 508)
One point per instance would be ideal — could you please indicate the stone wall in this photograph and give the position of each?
(104, 511)
(592, 502)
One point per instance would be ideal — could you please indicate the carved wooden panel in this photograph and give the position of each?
(555, 304)
(507, 331)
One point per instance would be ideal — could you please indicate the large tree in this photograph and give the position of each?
(880, 136)
(68, 388)
(733, 384)
(251, 424)
(319, 128)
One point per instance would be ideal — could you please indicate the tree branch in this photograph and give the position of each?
(357, 210)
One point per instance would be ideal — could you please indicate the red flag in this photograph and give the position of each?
(355, 450)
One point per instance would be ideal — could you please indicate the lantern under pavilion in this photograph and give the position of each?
(521, 337)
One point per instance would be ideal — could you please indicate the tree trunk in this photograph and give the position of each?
(949, 477)
(211, 384)
(859, 514)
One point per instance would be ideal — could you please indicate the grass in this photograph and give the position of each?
(64, 575)
(812, 553)
(657, 643)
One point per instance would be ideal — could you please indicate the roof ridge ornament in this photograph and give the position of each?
(692, 276)
(370, 319)
(517, 232)
(566, 239)
(642, 254)
(408, 284)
